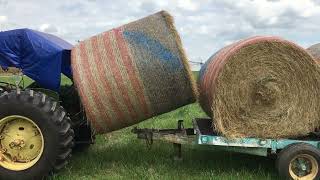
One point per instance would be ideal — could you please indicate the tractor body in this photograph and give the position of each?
(41, 121)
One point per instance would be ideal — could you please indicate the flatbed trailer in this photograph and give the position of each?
(297, 158)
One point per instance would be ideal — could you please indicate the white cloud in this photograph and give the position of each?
(48, 28)
(3, 19)
(188, 5)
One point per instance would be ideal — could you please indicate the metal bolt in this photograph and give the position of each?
(14, 159)
(263, 142)
(303, 167)
(36, 133)
(204, 139)
(22, 144)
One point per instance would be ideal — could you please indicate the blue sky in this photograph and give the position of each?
(205, 26)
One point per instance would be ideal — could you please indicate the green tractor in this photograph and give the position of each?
(38, 131)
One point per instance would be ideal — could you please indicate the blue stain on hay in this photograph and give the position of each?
(160, 52)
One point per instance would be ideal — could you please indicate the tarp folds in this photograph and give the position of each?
(40, 56)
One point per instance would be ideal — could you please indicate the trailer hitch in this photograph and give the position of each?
(176, 136)
(172, 135)
(146, 134)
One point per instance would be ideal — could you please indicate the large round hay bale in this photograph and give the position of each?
(132, 73)
(261, 87)
(314, 50)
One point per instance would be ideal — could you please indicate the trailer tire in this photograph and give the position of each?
(299, 160)
(48, 119)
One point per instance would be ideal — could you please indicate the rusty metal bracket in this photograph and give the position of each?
(177, 136)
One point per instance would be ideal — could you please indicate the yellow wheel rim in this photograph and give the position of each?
(303, 167)
(21, 143)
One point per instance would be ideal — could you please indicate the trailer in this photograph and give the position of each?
(297, 158)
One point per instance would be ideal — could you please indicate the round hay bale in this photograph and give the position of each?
(132, 73)
(314, 50)
(263, 87)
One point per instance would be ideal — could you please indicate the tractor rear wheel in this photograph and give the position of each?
(35, 135)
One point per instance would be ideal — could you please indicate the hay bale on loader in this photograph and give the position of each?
(132, 72)
(314, 50)
(263, 87)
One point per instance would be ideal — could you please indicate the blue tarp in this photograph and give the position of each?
(40, 56)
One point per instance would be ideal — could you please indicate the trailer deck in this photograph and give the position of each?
(296, 158)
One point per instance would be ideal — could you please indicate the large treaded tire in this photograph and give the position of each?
(290, 152)
(54, 125)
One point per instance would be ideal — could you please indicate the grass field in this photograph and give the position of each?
(120, 155)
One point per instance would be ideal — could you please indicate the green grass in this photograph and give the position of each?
(120, 155)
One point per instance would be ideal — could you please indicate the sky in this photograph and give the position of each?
(205, 26)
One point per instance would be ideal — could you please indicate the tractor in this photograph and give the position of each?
(41, 122)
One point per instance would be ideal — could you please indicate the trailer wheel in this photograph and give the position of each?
(299, 161)
(35, 136)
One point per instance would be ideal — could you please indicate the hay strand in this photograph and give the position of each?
(132, 73)
(263, 87)
(314, 50)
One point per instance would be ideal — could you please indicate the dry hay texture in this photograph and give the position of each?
(314, 50)
(263, 87)
(132, 73)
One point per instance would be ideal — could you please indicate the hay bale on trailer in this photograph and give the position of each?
(132, 73)
(314, 50)
(261, 87)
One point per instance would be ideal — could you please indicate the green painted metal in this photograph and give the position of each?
(196, 139)
(244, 150)
(13, 81)
(282, 143)
(237, 142)
(255, 146)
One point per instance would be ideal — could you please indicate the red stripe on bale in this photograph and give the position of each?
(107, 89)
(80, 89)
(117, 75)
(92, 85)
(128, 63)
(135, 80)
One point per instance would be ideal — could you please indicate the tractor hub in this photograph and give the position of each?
(21, 143)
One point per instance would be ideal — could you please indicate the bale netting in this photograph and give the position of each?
(263, 87)
(314, 50)
(132, 73)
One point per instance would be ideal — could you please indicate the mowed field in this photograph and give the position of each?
(120, 155)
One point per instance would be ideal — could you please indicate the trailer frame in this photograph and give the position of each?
(203, 135)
